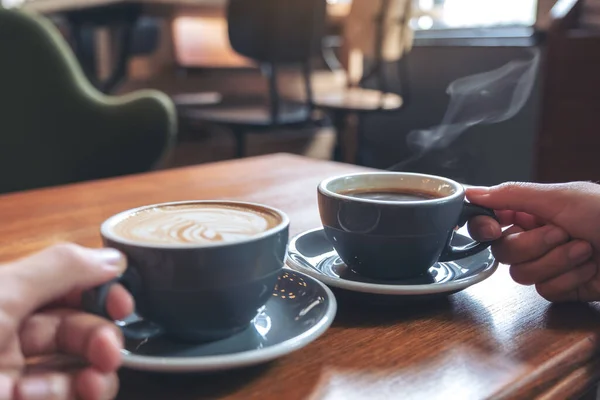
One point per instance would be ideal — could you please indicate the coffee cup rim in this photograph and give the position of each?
(459, 189)
(106, 232)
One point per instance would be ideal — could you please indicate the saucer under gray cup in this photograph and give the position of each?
(298, 312)
(312, 253)
(394, 226)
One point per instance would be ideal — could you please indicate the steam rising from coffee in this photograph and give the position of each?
(486, 98)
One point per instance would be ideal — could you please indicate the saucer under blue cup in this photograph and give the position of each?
(312, 253)
(300, 310)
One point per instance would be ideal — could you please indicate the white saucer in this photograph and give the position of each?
(299, 312)
(311, 253)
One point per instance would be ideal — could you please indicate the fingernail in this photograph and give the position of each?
(6, 387)
(481, 192)
(580, 251)
(114, 339)
(555, 236)
(478, 190)
(36, 389)
(111, 259)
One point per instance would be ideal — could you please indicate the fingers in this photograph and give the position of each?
(560, 261)
(6, 387)
(519, 247)
(484, 229)
(588, 292)
(544, 201)
(88, 384)
(524, 220)
(527, 221)
(35, 281)
(75, 333)
(566, 287)
(119, 302)
(55, 386)
(512, 230)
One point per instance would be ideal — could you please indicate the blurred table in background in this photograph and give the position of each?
(61, 6)
(106, 57)
(200, 35)
(193, 34)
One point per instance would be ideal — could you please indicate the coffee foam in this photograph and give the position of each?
(195, 223)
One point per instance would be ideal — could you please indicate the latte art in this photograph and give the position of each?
(187, 224)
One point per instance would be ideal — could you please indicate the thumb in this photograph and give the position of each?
(30, 283)
(544, 201)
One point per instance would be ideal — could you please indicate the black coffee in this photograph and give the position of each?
(392, 194)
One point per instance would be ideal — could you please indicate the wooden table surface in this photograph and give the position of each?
(494, 340)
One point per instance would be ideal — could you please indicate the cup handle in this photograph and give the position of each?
(452, 253)
(94, 302)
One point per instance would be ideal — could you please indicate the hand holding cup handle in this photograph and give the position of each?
(453, 253)
(94, 301)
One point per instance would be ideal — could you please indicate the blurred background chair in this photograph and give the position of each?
(56, 128)
(378, 31)
(129, 33)
(273, 34)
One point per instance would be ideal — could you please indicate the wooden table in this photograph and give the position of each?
(495, 340)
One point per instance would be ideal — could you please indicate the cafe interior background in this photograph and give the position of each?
(377, 84)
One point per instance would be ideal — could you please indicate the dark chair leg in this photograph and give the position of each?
(84, 49)
(240, 142)
(339, 124)
(360, 145)
(124, 54)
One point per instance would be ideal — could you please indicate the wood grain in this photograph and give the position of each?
(576, 384)
(495, 340)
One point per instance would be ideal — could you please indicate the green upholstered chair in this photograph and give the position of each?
(55, 127)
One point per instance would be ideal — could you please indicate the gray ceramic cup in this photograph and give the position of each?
(197, 292)
(388, 239)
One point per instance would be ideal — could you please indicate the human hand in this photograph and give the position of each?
(40, 316)
(554, 240)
